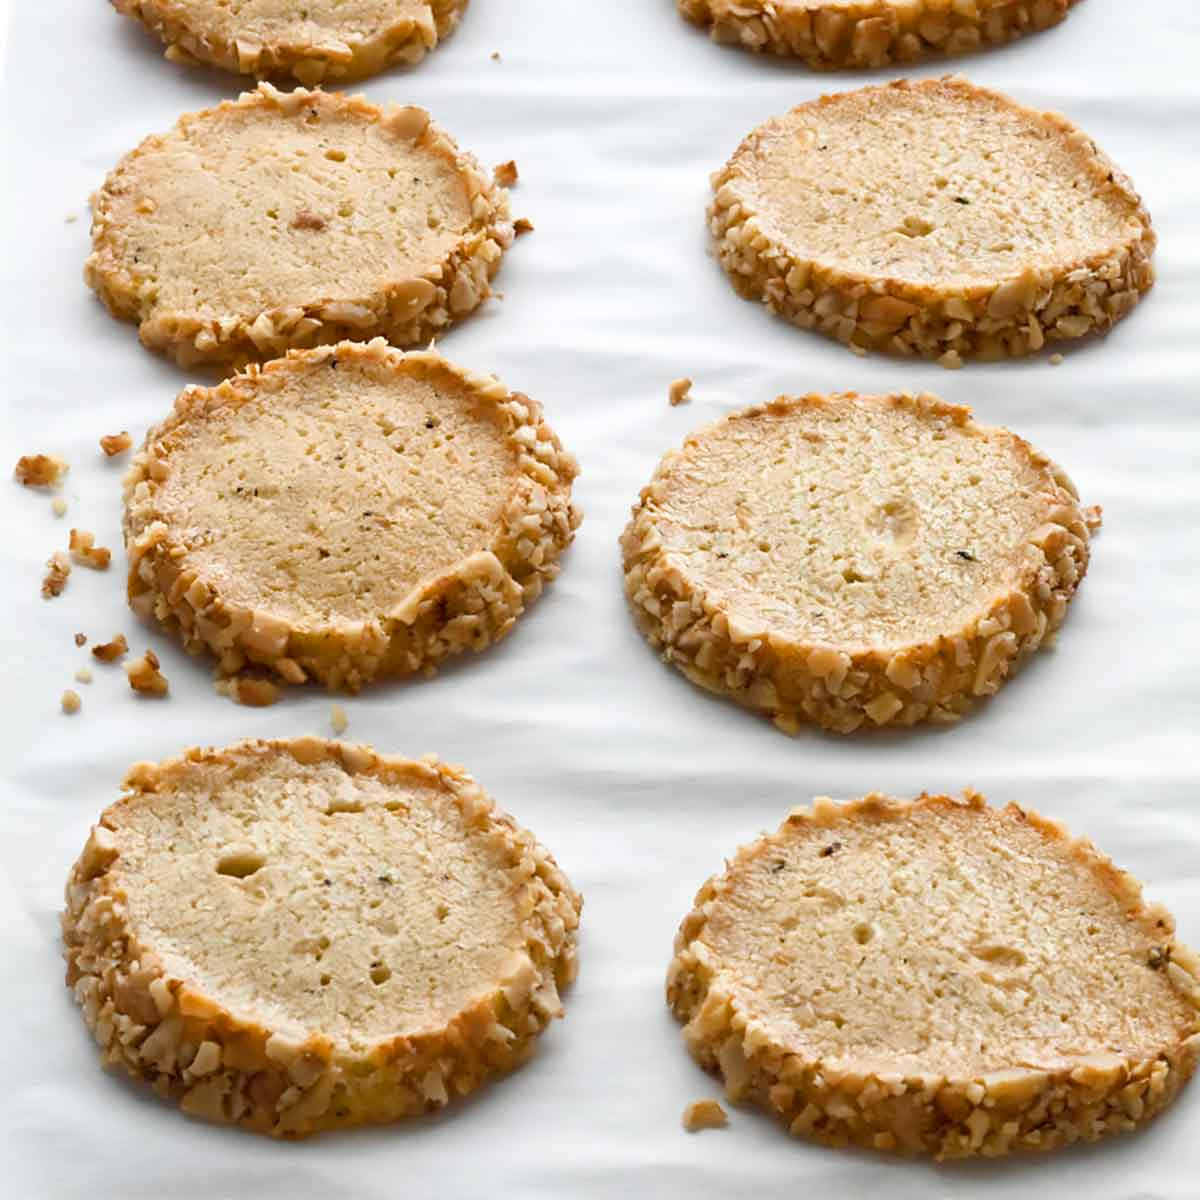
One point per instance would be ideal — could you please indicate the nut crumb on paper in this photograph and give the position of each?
(71, 702)
(704, 1114)
(338, 719)
(85, 551)
(57, 571)
(40, 470)
(144, 676)
(506, 174)
(110, 651)
(58, 506)
(84, 675)
(116, 443)
(680, 392)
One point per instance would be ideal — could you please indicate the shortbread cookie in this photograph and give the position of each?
(936, 977)
(345, 513)
(828, 34)
(851, 560)
(289, 219)
(932, 218)
(305, 935)
(319, 41)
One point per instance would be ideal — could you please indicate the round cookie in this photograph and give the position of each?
(290, 219)
(934, 219)
(849, 560)
(320, 42)
(305, 935)
(936, 977)
(860, 34)
(345, 513)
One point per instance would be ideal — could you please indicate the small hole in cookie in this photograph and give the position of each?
(239, 864)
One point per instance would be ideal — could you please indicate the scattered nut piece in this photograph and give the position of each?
(58, 506)
(522, 225)
(495, 56)
(506, 174)
(680, 392)
(116, 443)
(57, 570)
(81, 639)
(1093, 516)
(251, 690)
(40, 470)
(71, 218)
(84, 675)
(111, 651)
(338, 719)
(71, 702)
(1055, 360)
(85, 551)
(704, 1114)
(145, 677)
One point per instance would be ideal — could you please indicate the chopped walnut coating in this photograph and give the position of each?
(116, 443)
(85, 551)
(111, 651)
(249, 690)
(506, 174)
(680, 392)
(39, 470)
(57, 570)
(144, 676)
(704, 1114)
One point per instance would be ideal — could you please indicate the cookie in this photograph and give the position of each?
(345, 513)
(323, 41)
(304, 935)
(936, 219)
(859, 34)
(284, 220)
(853, 560)
(936, 977)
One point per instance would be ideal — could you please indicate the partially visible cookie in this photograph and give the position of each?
(829, 34)
(933, 218)
(321, 41)
(936, 977)
(853, 560)
(347, 513)
(305, 935)
(285, 220)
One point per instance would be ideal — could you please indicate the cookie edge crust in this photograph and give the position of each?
(841, 689)
(406, 41)
(872, 33)
(469, 605)
(1103, 1094)
(1016, 315)
(230, 1068)
(407, 312)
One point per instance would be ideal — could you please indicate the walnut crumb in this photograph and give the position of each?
(81, 639)
(250, 690)
(305, 219)
(506, 174)
(116, 443)
(111, 651)
(85, 551)
(57, 570)
(144, 676)
(522, 225)
(680, 392)
(84, 675)
(338, 719)
(1093, 517)
(704, 1114)
(71, 702)
(58, 506)
(71, 218)
(39, 470)
(1056, 360)
(495, 56)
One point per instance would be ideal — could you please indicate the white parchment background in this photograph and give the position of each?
(615, 111)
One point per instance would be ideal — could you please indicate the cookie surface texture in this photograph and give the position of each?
(323, 41)
(345, 513)
(306, 935)
(859, 34)
(284, 220)
(936, 977)
(935, 219)
(853, 560)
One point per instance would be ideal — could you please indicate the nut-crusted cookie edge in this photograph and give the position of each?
(228, 1068)
(357, 57)
(998, 1113)
(407, 312)
(871, 33)
(1016, 315)
(843, 688)
(468, 606)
